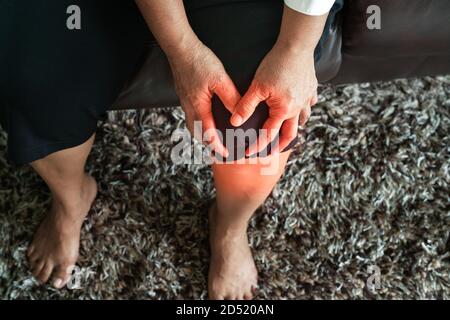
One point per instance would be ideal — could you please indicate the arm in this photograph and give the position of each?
(198, 73)
(286, 80)
(168, 22)
(299, 31)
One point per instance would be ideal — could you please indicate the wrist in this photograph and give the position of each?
(183, 47)
(296, 48)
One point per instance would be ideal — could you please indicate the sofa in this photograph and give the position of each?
(413, 41)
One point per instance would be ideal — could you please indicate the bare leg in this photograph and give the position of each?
(54, 249)
(240, 190)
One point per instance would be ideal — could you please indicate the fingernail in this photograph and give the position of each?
(236, 120)
(57, 284)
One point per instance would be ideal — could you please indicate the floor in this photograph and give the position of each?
(365, 198)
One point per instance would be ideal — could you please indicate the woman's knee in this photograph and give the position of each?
(238, 139)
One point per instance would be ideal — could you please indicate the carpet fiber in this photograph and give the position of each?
(368, 187)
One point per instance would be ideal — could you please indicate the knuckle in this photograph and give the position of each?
(216, 80)
(261, 90)
(284, 112)
(245, 109)
(290, 97)
(203, 114)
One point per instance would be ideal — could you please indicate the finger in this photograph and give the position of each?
(189, 116)
(247, 105)
(270, 130)
(227, 93)
(288, 132)
(211, 135)
(304, 115)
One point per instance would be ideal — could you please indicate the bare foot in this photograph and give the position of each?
(232, 271)
(54, 249)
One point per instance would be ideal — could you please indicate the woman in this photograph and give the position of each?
(236, 64)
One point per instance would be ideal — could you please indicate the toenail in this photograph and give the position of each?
(57, 284)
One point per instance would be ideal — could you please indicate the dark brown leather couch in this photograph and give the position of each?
(414, 40)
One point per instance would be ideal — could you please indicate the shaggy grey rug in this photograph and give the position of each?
(369, 186)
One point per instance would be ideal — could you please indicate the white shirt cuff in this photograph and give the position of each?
(310, 7)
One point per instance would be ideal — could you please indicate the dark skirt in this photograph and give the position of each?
(56, 83)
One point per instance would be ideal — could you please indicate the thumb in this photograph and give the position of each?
(247, 105)
(227, 93)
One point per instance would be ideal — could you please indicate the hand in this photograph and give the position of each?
(198, 75)
(286, 81)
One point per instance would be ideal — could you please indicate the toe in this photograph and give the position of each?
(216, 296)
(44, 275)
(62, 275)
(30, 251)
(248, 296)
(59, 282)
(33, 258)
(37, 268)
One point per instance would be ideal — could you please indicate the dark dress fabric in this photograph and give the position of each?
(56, 83)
